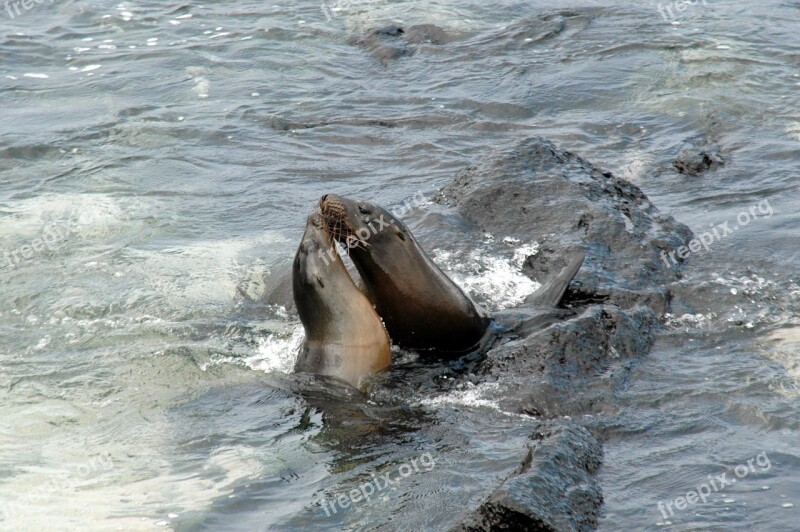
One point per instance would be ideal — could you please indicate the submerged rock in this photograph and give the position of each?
(697, 156)
(553, 488)
(393, 41)
(428, 33)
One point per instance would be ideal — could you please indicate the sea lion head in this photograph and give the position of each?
(369, 232)
(316, 275)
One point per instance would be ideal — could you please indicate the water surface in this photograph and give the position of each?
(169, 153)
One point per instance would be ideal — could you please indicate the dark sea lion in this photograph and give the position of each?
(421, 307)
(344, 335)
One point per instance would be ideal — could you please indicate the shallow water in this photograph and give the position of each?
(168, 154)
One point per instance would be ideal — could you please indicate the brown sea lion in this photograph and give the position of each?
(421, 307)
(344, 335)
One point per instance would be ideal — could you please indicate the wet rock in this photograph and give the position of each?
(560, 367)
(537, 191)
(697, 156)
(617, 298)
(388, 31)
(428, 33)
(385, 43)
(553, 488)
(571, 362)
(393, 42)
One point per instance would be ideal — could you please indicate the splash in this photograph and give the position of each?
(277, 353)
(472, 395)
(493, 281)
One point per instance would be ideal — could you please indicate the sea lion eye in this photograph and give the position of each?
(402, 235)
(363, 210)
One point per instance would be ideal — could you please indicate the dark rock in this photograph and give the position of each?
(385, 43)
(554, 372)
(537, 191)
(553, 488)
(565, 363)
(393, 41)
(697, 156)
(388, 31)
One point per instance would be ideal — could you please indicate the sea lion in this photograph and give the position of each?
(344, 335)
(421, 307)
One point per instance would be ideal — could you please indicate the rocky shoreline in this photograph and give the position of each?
(572, 367)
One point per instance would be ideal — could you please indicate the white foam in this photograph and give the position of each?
(788, 354)
(201, 84)
(129, 492)
(497, 282)
(84, 214)
(277, 353)
(471, 395)
(196, 272)
(749, 291)
(523, 252)
(688, 320)
(202, 272)
(793, 128)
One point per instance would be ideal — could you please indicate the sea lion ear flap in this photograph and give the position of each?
(319, 281)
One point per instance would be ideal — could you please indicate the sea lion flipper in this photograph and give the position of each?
(552, 291)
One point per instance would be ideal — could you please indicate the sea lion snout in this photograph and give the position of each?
(313, 254)
(316, 219)
(334, 212)
(331, 204)
(317, 230)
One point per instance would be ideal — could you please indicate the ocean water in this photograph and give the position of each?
(157, 163)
